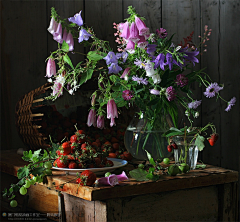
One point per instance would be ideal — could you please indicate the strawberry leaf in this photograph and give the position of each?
(200, 142)
(22, 172)
(139, 174)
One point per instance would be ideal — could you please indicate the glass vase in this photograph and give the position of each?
(139, 138)
(187, 151)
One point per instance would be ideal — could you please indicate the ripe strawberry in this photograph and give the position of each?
(112, 155)
(73, 139)
(123, 157)
(109, 163)
(66, 148)
(214, 137)
(211, 141)
(74, 147)
(62, 162)
(72, 165)
(169, 148)
(87, 178)
(97, 161)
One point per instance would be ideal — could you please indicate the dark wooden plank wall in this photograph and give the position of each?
(25, 45)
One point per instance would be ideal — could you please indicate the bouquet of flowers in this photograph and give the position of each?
(149, 71)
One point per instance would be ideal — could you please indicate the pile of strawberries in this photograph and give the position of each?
(83, 151)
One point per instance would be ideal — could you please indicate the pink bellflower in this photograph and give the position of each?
(51, 68)
(100, 122)
(92, 118)
(126, 72)
(53, 26)
(57, 36)
(70, 41)
(111, 109)
(130, 46)
(125, 30)
(134, 35)
(142, 28)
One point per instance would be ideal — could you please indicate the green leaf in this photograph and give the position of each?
(94, 56)
(38, 171)
(86, 76)
(113, 78)
(139, 174)
(151, 170)
(152, 176)
(200, 142)
(65, 46)
(203, 166)
(68, 60)
(149, 156)
(22, 172)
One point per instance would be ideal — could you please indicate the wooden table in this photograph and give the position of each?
(210, 194)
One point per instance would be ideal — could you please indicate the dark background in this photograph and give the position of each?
(26, 43)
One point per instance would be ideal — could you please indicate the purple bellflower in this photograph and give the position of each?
(159, 61)
(51, 68)
(151, 48)
(154, 91)
(111, 109)
(77, 19)
(92, 118)
(130, 46)
(194, 104)
(111, 180)
(83, 35)
(111, 58)
(114, 68)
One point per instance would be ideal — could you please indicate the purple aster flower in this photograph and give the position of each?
(127, 94)
(126, 72)
(134, 36)
(51, 68)
(111, 58)
(111, 109)
(154, 91)
(83, 35)
(159, 61)
(122, 176)
(114, 68)
(69, 40)
(140, 80)
(100, 122)
(125, 30)
(194, 104)
(162, 33)
(77, 19)
(53, 26)
(140, 63)
(92, 118)
(212, 89)
(57, 36)
(230, 104)
(130, 46)
(171, 93)
(142, 28)
(182, 80)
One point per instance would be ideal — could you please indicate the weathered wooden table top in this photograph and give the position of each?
(10, 162)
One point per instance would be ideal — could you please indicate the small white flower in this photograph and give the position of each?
(126, 77)
(196, 115)
(70, 91)
(179, 47)
(49, 80)
(156, 79)
(187, 113)
(60, 79)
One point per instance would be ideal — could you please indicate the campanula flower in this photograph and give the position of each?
(111, 109)
(159, 61)
(150, 71)
(92, 118)
(125, 31)
(51, 68)
(154, 91)
(77, 19)
(134, 36)
(125, 72)
(53, 26)
(142, 28)
(64, 37)
(151, 48)
(57, 89)
(114, 68)
(70, 41)
(83, 35)
(122, 176)
(57, 36)
(100, 122)
(156, 79)
(111, 58)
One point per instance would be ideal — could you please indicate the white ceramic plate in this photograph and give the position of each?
(117, 164)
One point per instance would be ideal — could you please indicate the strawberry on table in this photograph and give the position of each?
(86, 178)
